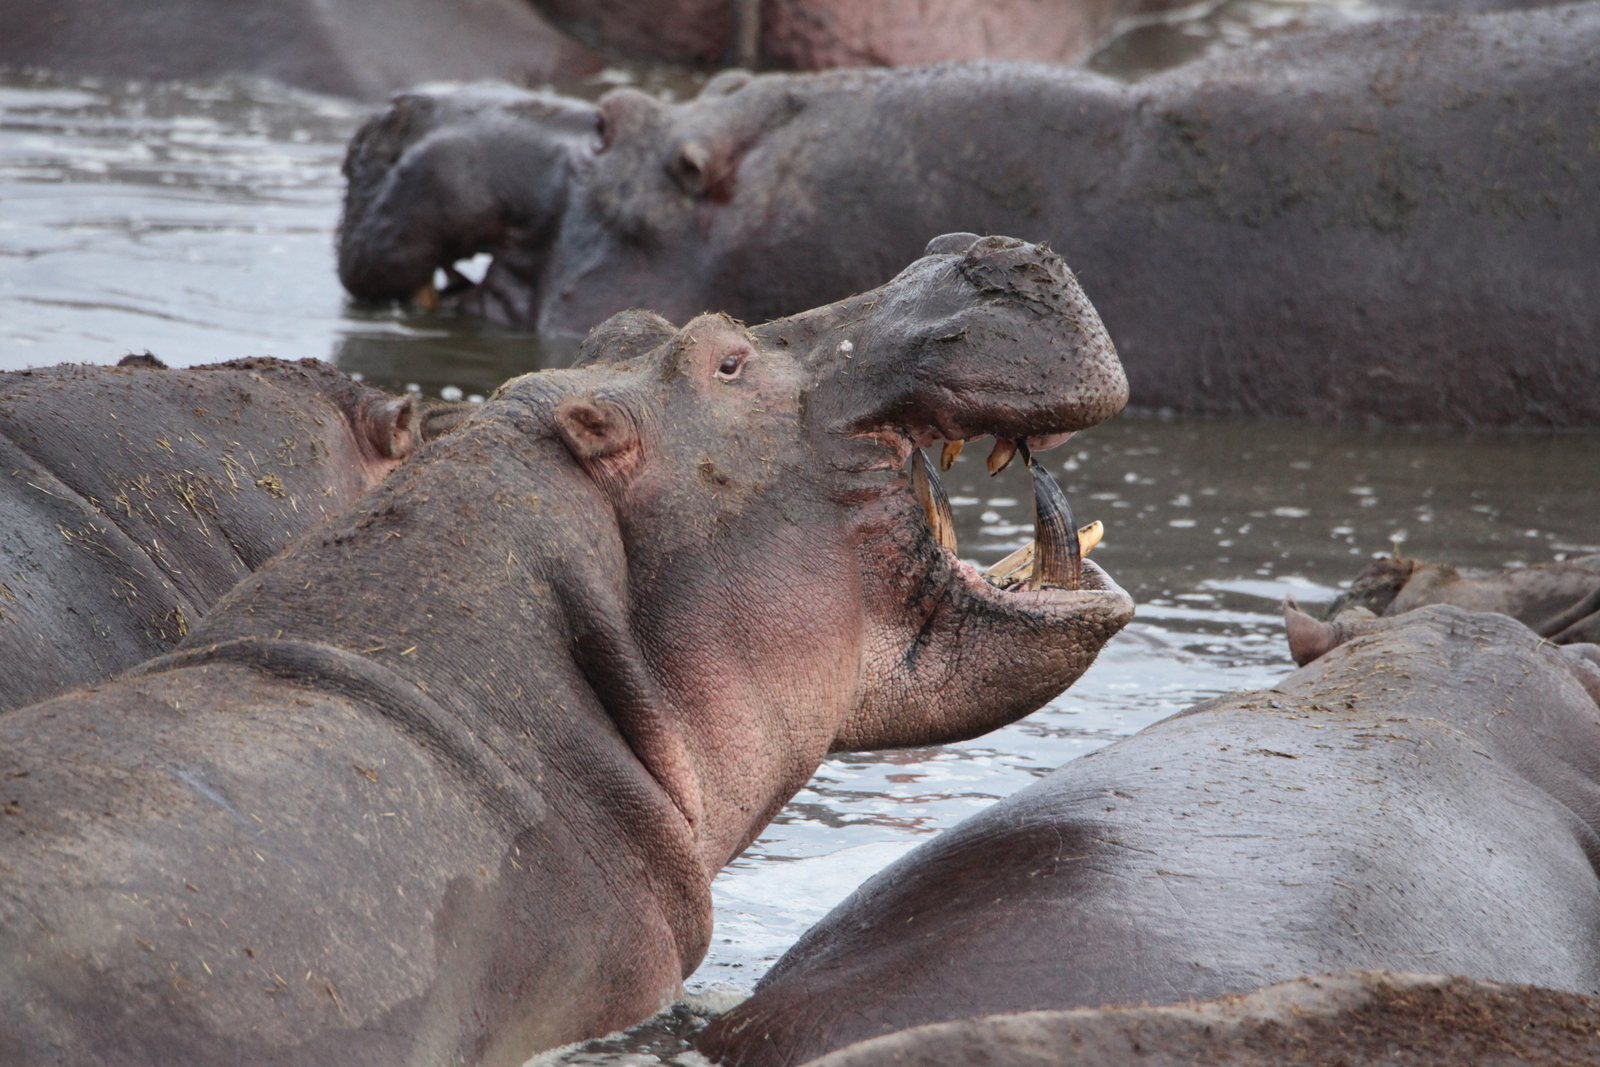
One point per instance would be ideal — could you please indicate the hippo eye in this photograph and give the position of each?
(732, 364)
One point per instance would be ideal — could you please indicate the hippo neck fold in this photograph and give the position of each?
(527, 658)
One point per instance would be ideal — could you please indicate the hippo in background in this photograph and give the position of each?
(359, 48)
(133, 497)
(447, 781)
(1393, 221)
(1559, 601)
(1425, 797)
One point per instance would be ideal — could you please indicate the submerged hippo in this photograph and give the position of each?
(1394, 221)
(132, 498)
(1424, 798)
(447, 781)
(1559, 601)
(1352, 1019)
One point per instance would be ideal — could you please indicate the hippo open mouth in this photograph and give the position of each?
(1052, 560)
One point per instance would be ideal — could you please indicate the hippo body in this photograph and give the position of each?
(1354, 1019)
(1424, 798)
(132, 498)
(1559, 600)
(447, 781)
(360, 48)
(1394, 221)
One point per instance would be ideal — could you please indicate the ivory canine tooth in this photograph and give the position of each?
(935, 502)
(1058, 559)
(1013, 566)
(948, 454)
(1000, 458)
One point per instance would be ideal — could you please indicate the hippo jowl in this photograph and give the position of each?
(1394, 221)
(447, 781)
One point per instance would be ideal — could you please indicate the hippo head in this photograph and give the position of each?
(791, 589)
(443, 176)
(590, 209)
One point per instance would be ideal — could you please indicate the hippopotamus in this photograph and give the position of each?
(1559, 600)
(1425, 797)
(817, 34)
(358, 48)
(1355, 1019)
(448, 780)
(133, 497)
(1392, 221)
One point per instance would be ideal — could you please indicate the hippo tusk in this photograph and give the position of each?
(1058, 560)
(935, 502)
(1013, 569)
(1000, 458)
(427, 297)
(948, 454)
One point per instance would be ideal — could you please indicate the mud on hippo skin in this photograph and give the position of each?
(448, 780)
(132, 498)
(1425, 797)
(1392, 221)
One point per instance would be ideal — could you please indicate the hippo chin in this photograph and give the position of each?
(132, 498)
(1423, 798)
(448, 780)
(1394, 221)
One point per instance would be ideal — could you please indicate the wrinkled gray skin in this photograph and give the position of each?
(1425, 797)
(133, 497)
(1353, 1019)
(1559, 601)
(447, 782)
(360, 48)
(1394, 221)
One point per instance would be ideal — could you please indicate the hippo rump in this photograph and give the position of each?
(132, 498)
(1352, 1019)
(447, 781)
(1394, 221)
(360, 48)
(1559, 600)
(1423, 798)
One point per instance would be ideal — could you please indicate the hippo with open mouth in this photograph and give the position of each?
(133, 497)
(1424, 797)
(1394, 221)
(448, 780)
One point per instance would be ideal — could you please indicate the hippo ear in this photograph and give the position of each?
(596, 431)
(393, 428)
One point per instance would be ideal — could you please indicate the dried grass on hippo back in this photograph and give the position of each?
(448, 780)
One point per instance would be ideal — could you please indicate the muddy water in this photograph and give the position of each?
(196, 221)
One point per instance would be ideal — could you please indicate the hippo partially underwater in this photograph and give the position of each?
(1559, 601)
(447, 781)
(1392, 221)
(133, 497)
(1423, 798)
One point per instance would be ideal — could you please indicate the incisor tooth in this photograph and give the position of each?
(935, 503)
(948, 454)
(1000, 458)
